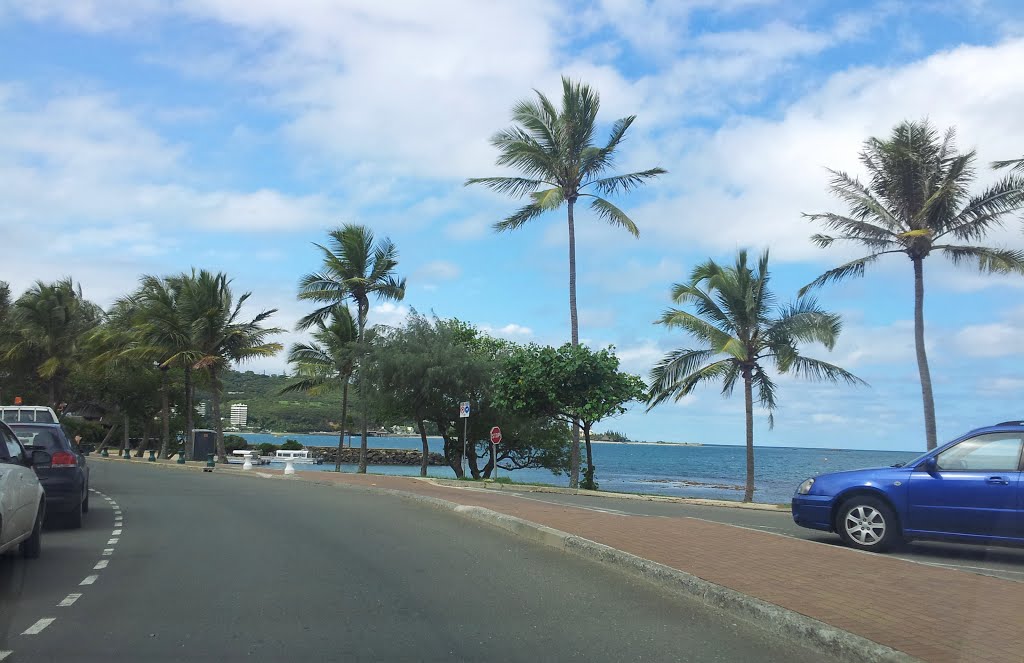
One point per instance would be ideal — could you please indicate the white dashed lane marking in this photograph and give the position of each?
(116, 532)
(89, 580)
(108, 551)
(38, 627)
(69, 600)
(4, 654)
(112, 541)
(102, 564)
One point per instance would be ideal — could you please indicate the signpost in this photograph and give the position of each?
(464, 414)
(495, 440)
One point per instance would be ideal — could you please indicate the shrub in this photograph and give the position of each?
(291, 445)
(266, 448)
(232, 442)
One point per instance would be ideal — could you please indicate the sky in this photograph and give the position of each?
(150, 137)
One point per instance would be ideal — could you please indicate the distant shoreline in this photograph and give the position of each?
(415, 435)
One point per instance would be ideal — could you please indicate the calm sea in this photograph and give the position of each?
(711, 471)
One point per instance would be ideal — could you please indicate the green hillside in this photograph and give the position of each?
(268, 409)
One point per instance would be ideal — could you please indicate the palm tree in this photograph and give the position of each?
(50, 321)
(356, 268)
(165, 334)
(555, 151)
(219, 336)
(916, 203)
(740, 329)
(328, 363)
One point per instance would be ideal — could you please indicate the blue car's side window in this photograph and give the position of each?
(994, 452)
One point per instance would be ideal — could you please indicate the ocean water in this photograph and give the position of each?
(709, 471)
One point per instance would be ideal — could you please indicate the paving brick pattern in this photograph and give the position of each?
(934, 614)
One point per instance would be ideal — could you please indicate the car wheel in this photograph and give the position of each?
(73, 519)
(867, 523)
(33, 545)
(85, 502)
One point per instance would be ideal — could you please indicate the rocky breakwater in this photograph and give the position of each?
(350, 456)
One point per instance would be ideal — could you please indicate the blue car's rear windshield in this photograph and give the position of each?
(48, 438)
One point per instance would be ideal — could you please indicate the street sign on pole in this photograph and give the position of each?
(464, 415)
(495, 439)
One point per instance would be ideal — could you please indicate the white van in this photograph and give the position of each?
(27, 414)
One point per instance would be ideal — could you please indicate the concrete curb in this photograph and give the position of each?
(799, 627)
(526, 488)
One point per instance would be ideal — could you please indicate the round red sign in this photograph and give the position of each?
(495, 435)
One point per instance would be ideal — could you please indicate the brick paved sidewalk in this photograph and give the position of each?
(931, 613)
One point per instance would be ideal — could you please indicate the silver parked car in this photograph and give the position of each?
(22, 502)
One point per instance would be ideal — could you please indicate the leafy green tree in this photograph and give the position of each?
(916, 203)
(555, 150)
(219, 336)
(355, 267)
(739, 331)
(571, 383)
(327, 364)
(422, 370)
(291, 445)
(49, 321)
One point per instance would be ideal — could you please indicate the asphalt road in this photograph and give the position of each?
(999, 561)
(215, 567)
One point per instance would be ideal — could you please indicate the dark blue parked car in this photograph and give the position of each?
(968, 490)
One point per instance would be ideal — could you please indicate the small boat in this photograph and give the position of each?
(297, 457)
(238, 457)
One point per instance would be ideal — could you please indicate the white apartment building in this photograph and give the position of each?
(239, 415)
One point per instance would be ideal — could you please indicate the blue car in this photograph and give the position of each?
(968, 490)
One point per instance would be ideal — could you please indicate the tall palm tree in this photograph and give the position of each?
(555, 151)
(327, 363)
(50, 321)
(740, 331)
(219, 336)
(355, 267)
(916, 202)
(165, 334)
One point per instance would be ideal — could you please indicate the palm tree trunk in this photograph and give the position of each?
(218, 425)
(574, 452)
(146, 425)
(362, 440)
(362, 311)
(106, 438)
(344, 423)
(922, 358)
(165, 415)
(426, 449)
(188, 413)
(748, 397)
(126, 449)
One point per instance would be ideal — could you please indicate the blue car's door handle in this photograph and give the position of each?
(1001, 481)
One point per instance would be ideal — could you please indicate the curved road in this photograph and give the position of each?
(211, 567)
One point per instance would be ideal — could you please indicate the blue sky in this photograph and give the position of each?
(148, 137)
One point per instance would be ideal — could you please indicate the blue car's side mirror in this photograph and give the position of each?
(929, 465)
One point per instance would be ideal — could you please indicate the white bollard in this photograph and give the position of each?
(289, 467)
(247, 465)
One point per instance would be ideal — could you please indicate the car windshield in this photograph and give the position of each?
(43, 437)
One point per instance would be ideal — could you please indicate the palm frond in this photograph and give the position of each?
(625, 183)
(821, 371)
(1015, 164)
(987, 210)
(613, 215)
(664, 388)
(517, 187)
(988, 260)
(522, 216)
(704, 331)
(854, 268)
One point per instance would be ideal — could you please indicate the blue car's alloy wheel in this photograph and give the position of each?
(867, 523)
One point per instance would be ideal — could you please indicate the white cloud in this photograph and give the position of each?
(997, 339)
(388, 314)
(511, 331)
(439, 270)
(753, 178)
